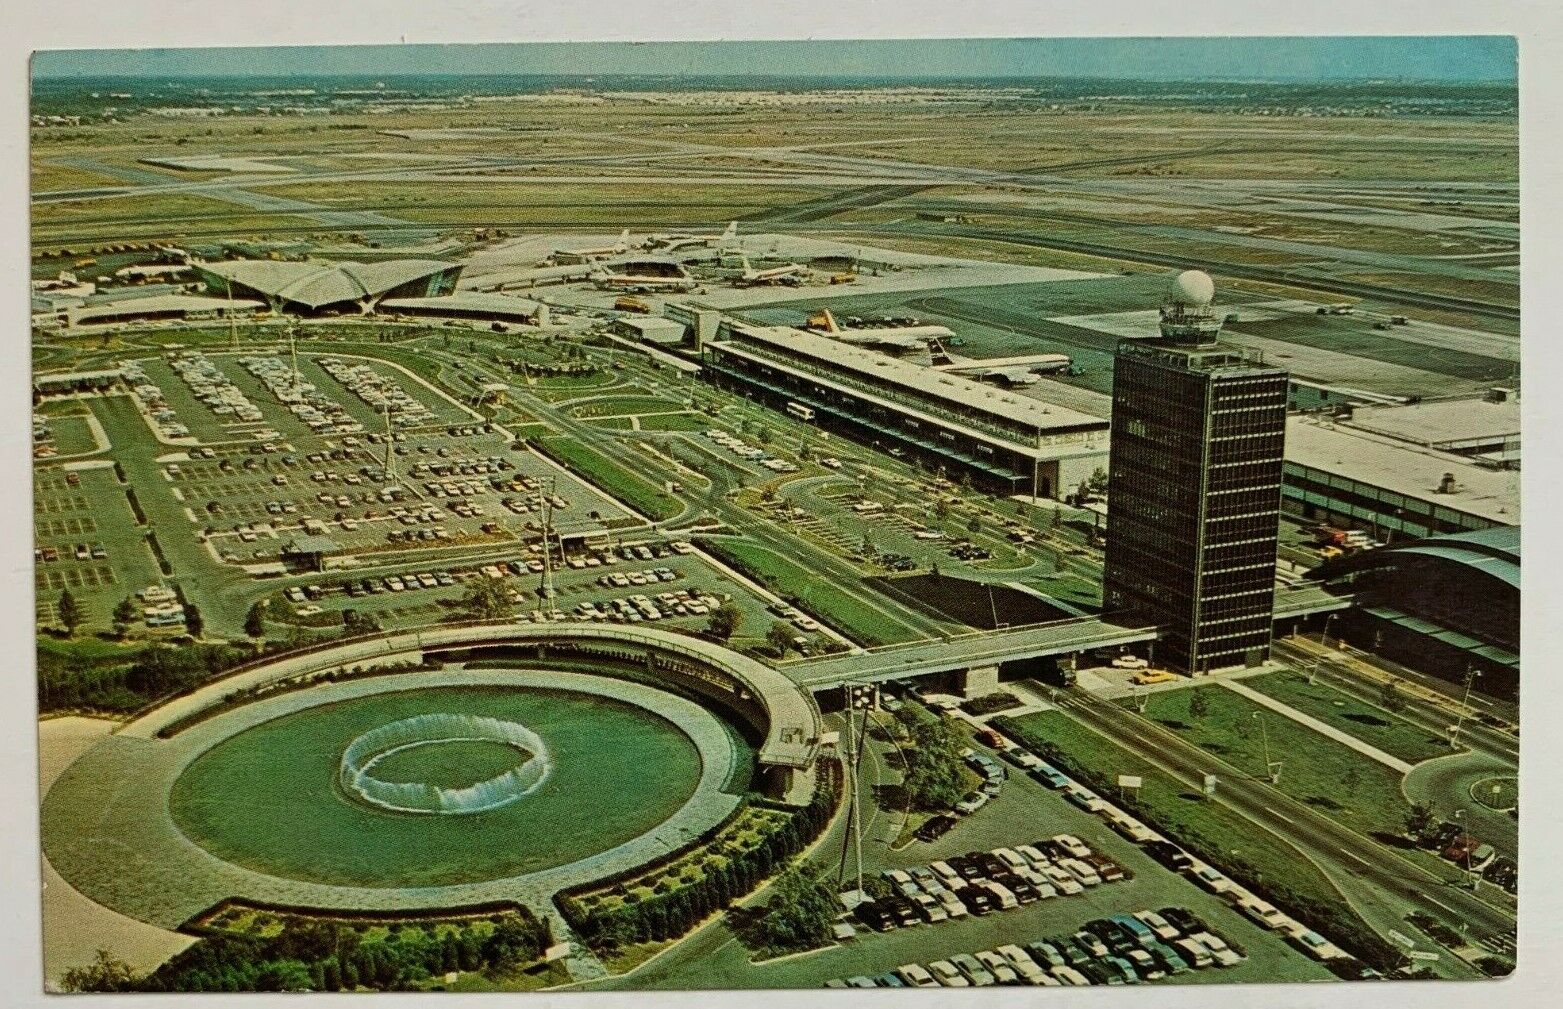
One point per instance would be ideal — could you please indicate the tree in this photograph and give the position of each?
(355, 622)
(1098, 481)
(486, 599)
(124, 616)
(941, 509)
(1419, 819)
(1058, 516)
(725, 621)
(194, 622)
(255, 620)
(1390, 697)
(69, 611)
(779, 637)
(934, 779)
(104, 974)
(1199, 704)
(800, 912)
(1351, 779)
(975, 525)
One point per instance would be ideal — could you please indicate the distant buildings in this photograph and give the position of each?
(1198, 430)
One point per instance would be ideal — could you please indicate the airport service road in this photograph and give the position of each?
(1342, 852)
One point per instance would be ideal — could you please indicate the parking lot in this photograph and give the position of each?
(1025, 811)
(86, 540)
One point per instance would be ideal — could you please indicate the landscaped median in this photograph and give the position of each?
(635, 491)
(855, 618)
(1374, 725)
(1254, 857)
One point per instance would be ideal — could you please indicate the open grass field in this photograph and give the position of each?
(247, 799)
(1369, 723)
(612, 478)
(1333, 778)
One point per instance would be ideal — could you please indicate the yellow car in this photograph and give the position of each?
(1151, 677)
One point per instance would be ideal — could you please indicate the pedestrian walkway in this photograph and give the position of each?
(1323, 728)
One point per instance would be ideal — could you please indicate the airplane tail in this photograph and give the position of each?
(624, 237)
(731, 232)
(830, 321)
(937, 354)
(745, 261)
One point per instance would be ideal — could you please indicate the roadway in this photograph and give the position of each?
(1348, 857)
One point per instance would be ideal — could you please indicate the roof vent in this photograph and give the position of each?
(1446, 485)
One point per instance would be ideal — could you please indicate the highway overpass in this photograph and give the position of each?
(986, 650)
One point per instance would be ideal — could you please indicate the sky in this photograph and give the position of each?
(1430, 58)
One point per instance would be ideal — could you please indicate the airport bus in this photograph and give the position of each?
(800, 411)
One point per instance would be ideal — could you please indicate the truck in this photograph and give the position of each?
(630, 303)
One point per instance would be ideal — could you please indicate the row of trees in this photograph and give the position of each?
(327, 956)
(153, 672)
(670, 915)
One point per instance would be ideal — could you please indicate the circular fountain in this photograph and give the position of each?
(363, 754)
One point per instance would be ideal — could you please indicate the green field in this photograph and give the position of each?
(847, 613)
(1371, 724)
(675, 422)
(616, 406)
(612, 478)
(1333, 778)
(456, 763)
(1497, 793)
(268, 798)
(1213, 831)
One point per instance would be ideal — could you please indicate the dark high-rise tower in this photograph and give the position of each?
(1194, 497)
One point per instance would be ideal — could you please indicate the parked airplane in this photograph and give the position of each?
(622, 245)
(902, 339)
(791, 274)
(642, 283)
(1010, 370)
(684, 240)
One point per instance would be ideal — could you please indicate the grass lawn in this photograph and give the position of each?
(635, 491)
(1215, 832)
(1497, 793)
(1368, 722)
(1336, 780)
(675, 422)
(617, 406)
(246, 799)
(848, 614)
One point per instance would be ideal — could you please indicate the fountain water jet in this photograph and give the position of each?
(364, 752)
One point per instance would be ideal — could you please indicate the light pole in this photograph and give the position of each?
(1326, 635)
(1272, 768)
(1471, 673)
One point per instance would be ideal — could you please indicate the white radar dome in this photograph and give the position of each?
(1193, 288)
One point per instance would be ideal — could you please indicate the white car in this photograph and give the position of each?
(1024, 966)
(1076, 847)
(1211, 879)
(1130, 662)
(971, 803)
(948, 975)
(916, 976)
(1157, 924)
(999, 967)
(1225, 955)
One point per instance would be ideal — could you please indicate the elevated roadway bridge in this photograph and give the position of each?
(978, 655)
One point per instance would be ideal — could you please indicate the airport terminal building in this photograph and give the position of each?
(317, 288)
(1000, 440)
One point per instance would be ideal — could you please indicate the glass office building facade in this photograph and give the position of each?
(1194, 500)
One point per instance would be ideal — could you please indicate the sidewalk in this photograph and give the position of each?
(1323, 728)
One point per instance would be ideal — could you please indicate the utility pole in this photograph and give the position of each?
(390, 451)
(293, 350)
(233, 323)
(1471, 673)
(547, 590)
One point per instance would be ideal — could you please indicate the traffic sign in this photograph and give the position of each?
(1130, 781)
(1210, 784)
(1421, 954)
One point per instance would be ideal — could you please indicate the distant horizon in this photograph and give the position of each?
(1259, 59)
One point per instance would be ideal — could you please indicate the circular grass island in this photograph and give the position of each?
(270, 798)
